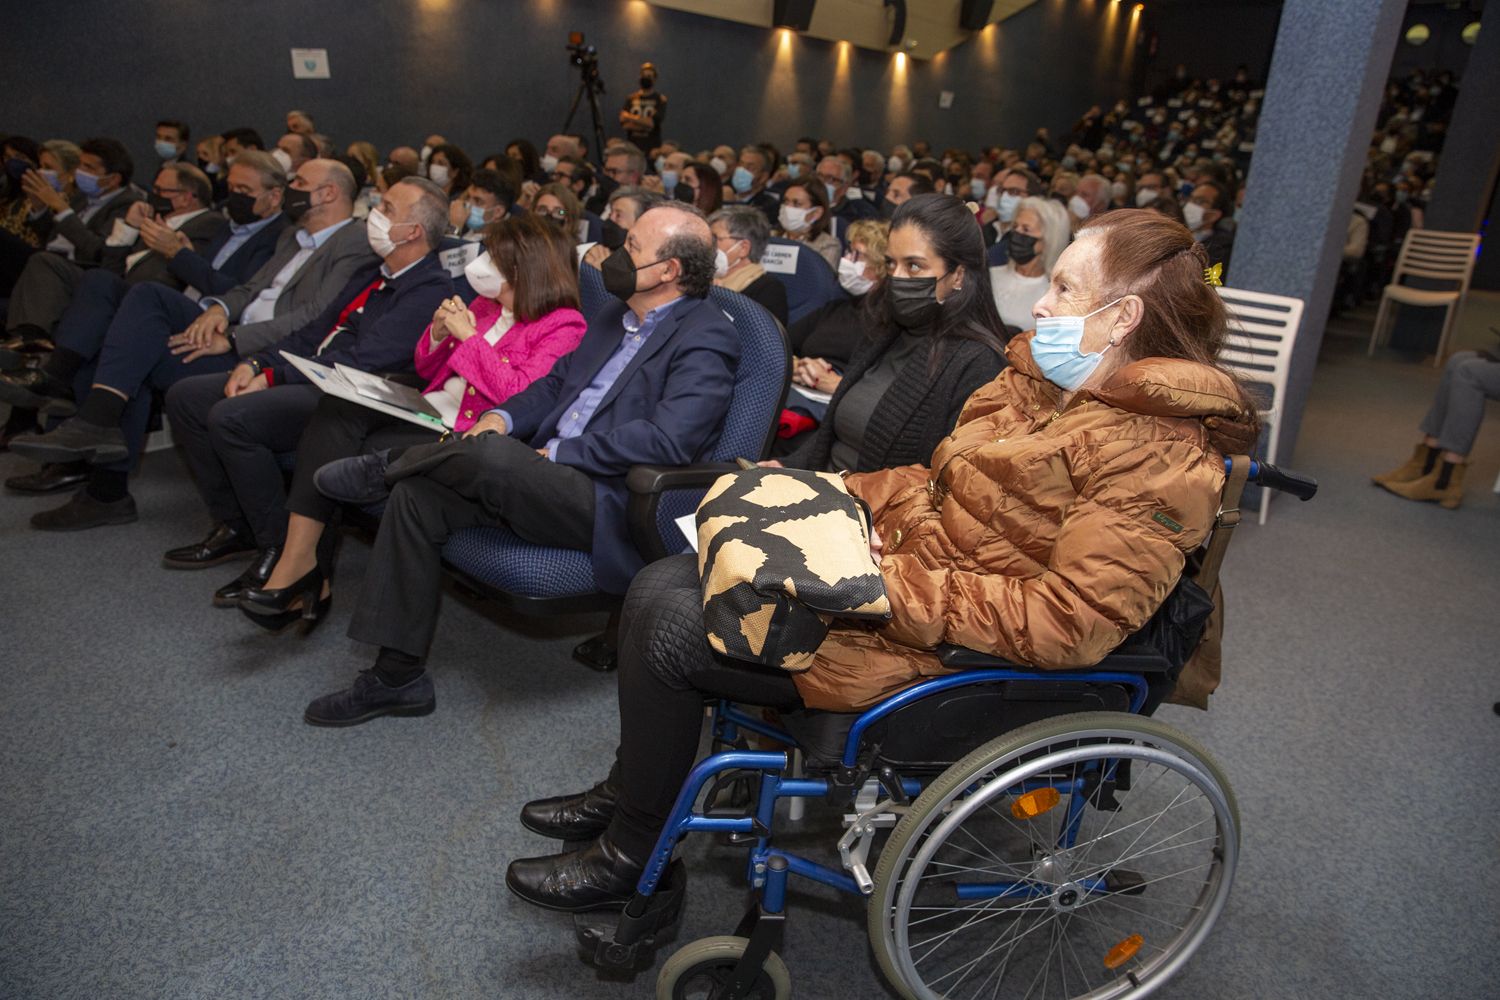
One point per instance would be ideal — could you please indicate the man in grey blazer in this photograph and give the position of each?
(160, 336)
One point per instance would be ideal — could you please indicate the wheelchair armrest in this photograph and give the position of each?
(1129, 658)
(647, 483)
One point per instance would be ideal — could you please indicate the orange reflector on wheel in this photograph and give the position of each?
(1033, 804)
(1123, 952)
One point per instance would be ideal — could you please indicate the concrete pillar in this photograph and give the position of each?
(1328, 73)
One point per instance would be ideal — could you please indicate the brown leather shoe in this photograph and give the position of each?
(1408, 470)
(1426, 488)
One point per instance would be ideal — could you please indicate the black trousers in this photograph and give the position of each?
(232, 443)
(437, 489)
(667, 672)
(341, 429)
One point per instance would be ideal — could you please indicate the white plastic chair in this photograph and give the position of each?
(1436, 255)
(1262, 330)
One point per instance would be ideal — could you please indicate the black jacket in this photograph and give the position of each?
(768, 291)
(197, 269)
(832, 332)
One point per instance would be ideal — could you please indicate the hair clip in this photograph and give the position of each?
(1213, 276)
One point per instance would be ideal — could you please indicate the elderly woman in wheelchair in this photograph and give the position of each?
(1050, 526)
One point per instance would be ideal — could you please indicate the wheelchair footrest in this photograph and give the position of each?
(621, 942)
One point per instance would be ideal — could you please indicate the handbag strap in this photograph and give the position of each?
(1229, 516)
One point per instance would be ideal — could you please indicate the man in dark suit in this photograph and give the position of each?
(649, 384)
(160, 336)
(231, 430)
(256, 187)
(179, 204)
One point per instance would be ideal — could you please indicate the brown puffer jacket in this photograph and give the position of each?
(1046, 536)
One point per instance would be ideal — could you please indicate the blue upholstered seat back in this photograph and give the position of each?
(812, 285)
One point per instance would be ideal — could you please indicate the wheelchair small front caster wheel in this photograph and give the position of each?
(704, 968)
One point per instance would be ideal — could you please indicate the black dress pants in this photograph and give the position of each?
(667, 672)
(341, 429)
(437, 489)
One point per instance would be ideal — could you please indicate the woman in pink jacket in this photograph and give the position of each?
(474, 358)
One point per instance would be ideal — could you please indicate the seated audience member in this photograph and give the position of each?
(576, 173)
(450, 169)
(723, 159)
(956, 174)
(528, 294)
(550, 464)
(1001, 203)
(210, 159)
(20, 214)
(702, 187)
(1040, 234)
(429, 144)
(804, 217)
(406, 159)
(525, 156)
(557, 205)
(368, 158)
(1064, 569)
(626, 206)
(256, 188)
(300, 122)
(666, 179)
(901, 189)
(79, 233)
(487, 199)
(932, 337)
(239, 140)
(872, 174)
(180, 201)
(624, 166)
(294, 149)
(748, 182)
(231, 430)
(845, 203)
(1209, 214)
(171, 142)
(825, 339)
(159, 336)
(559, 147)
(1092, 196)
(1149, 187)
(1168, 205)
(740, 236)
(1436, 468)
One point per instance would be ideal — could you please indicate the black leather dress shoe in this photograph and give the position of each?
(83, 511)
(359, 480)
(223, 543)
(598, 877)
(72, 440)
(17, 352)
(572, 817)
(54, 477)
(370, 698)
(254, 577)
(32, 388)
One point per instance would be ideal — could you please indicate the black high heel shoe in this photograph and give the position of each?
(273, 609)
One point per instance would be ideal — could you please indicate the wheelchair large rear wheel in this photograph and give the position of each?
(1083, 856)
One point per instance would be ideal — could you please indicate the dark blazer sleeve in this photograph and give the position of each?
(88, 238)
(387, 342)
(197, 269)
(695, 393)
(531, 406)
(347, 255)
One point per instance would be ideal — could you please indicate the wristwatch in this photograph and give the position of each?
(256, 367)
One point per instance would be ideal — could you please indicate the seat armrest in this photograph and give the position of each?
(960, 658)
(646, 484)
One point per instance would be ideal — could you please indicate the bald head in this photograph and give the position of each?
(676, 236)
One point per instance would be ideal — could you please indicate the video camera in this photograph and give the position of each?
(585, 57)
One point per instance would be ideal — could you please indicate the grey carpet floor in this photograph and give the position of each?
(170, 828)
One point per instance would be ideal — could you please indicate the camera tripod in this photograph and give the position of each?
(592, 86)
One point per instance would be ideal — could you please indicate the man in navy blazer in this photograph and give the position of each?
(649, 384)
(257, 185)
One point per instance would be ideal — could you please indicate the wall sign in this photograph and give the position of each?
(310, 64)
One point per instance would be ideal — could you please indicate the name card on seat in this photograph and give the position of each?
(455, 259)
(780, 259)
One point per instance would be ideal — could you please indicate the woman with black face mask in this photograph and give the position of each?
(933, 338)
(1040, 235)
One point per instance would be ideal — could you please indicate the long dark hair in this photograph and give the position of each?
(531, 161)
(537, 259)
(969, 312)
(461, 167)
(710, 187)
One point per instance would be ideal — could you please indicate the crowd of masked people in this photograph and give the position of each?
(1022, 384)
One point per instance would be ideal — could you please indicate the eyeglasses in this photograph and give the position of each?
(560, 214)
(167, 192)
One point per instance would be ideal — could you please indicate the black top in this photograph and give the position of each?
(832, 332)
(769, 292)
(651, 104)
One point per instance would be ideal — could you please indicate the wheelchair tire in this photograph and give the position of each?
(1101, 901)
(700, 968)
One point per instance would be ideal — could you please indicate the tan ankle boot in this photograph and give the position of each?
(1426, 488)
(1405, 473)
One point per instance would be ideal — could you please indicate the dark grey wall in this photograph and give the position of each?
(1211, 38)
(484, 71)
(1445, 49)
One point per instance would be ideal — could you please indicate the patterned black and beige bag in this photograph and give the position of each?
(781, 553)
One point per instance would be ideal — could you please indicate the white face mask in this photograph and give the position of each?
(549, 163)
(719, 165)
(378, 232)
(992, 199)
(1192, 214)
(894, 164)
(484, 277)
(284, 158)
(1117, 190)
(793, 219)
(1144, 197)
(426, 153)
(852, 277)
(721, 263)
(1078, 207)
(439, 174)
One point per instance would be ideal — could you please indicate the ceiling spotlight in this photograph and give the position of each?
(911, 43)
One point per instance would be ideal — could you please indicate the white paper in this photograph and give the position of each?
(945, 99)
(817, 396)
(457, 258)
(310, 64)
(688, 525)
(331, 382)
(780, 258)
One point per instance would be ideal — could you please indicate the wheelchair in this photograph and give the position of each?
(1014, 832)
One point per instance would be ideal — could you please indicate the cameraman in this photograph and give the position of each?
(644, 110)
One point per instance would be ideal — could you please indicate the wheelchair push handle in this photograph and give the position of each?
(1267, 475)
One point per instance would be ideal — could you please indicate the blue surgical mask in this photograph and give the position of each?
(87, 183)
(977, 189)
(833, 194)
(669, 179)
(166, 150)
(1008, 205)
(794, 170)
(50, 176)
(1057, 349)
(476, 217)
(741, 180)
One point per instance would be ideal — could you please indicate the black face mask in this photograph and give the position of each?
(912, 301)
(296, 204)
(684, 193)
(607, 185)
(647, 83)
(15, 168)
(1022, 248)
(241, 208)
(160, 205)
(619, 272)
(887, 208)
(612, 234)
